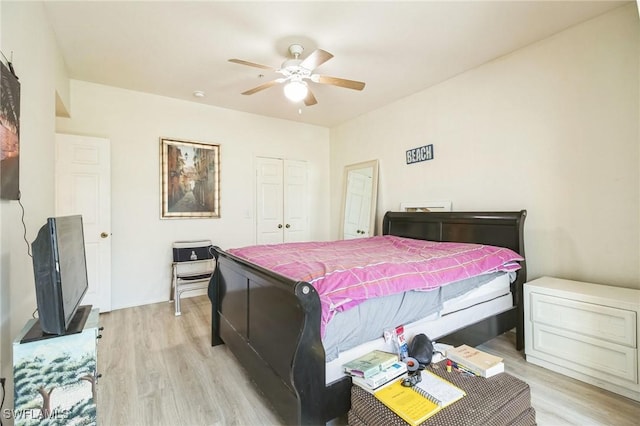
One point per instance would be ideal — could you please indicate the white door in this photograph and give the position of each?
(357, 213)
(282, 213)
(269, 200)
(83, 186)
(296, 214)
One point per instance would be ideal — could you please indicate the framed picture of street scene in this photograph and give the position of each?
(9, 134)
(190, 179)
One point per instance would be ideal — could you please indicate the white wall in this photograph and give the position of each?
(551, 128)
(134, 122)
(26, 33)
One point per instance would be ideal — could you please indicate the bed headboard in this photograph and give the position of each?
(504, 229)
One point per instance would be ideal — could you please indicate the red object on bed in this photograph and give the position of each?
(348, 272)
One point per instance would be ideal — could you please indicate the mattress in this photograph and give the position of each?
(498, 286)
(348, 273)
(368, 320)
(485, 301)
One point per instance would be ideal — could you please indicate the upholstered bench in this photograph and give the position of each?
(498, 400)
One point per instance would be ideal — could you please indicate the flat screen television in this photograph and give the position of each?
(60, 271)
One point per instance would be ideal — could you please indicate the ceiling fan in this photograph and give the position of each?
(296, 71)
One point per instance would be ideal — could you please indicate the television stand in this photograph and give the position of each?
(55, 378)
(76, 325)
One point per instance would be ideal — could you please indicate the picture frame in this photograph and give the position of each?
(190, 176)
(9, 133)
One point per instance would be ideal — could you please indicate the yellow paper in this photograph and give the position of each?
(407, 403)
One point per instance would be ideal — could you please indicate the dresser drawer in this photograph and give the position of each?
(601, 322)
(603, 360)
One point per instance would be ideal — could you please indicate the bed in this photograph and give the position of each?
(272, 324)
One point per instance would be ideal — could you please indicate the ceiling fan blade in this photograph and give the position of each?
(263, 86)
(335, 81)
(251, 64)
(315, 59)
(310, 99)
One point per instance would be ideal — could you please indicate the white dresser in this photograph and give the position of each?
(585, 331)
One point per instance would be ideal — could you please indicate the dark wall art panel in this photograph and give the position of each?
(9, 134)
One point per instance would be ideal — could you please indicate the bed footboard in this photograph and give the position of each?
(271, 324)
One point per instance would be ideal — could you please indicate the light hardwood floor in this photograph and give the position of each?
(159, 369)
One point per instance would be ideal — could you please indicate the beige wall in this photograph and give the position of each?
(551, 128)
(26, 33)
(134, 122)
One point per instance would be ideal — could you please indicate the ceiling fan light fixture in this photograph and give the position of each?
(296, 91)
(295, 73)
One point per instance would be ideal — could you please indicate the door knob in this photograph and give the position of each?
(279, 226)
(104, 235)
(287, 226)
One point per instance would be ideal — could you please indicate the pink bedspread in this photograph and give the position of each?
(346, 273)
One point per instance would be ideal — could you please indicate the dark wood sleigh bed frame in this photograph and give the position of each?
(272, 323)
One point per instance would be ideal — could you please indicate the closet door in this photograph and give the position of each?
(269, 200)
(281, 201)
(296, 215)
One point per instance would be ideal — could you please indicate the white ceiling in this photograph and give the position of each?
(398, 48)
